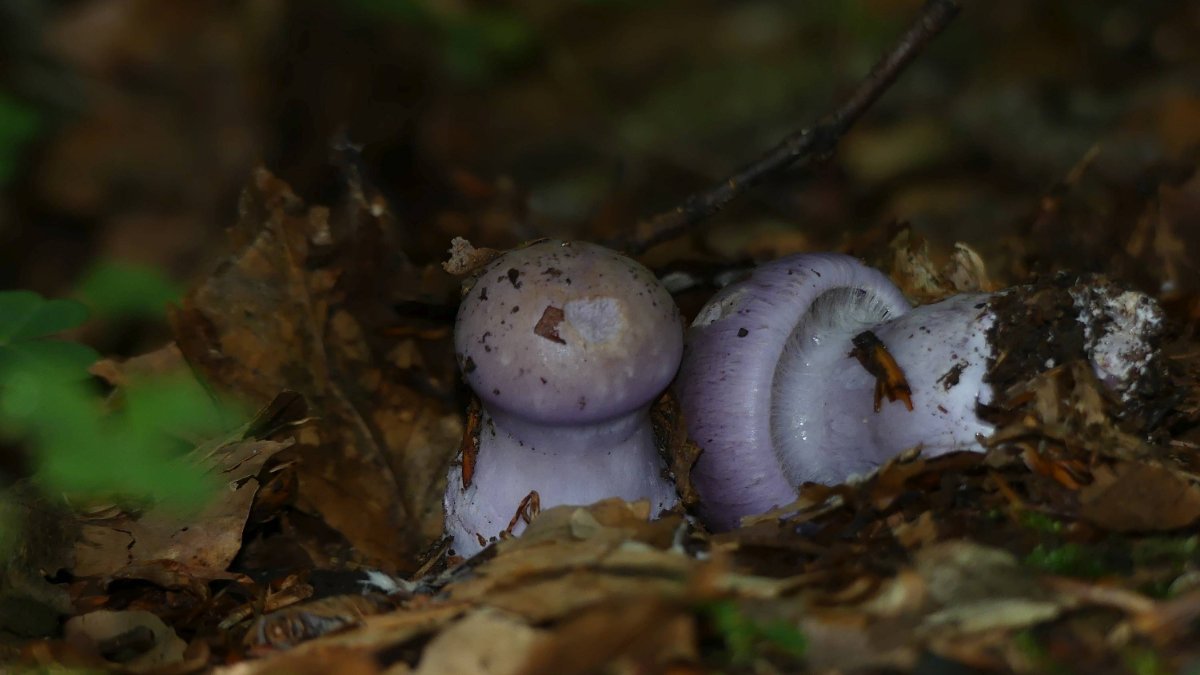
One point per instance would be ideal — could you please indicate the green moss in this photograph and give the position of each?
(1066, 559)
(745, 638)
(1040, 522)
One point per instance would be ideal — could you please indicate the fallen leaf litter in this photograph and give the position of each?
(1077, 510)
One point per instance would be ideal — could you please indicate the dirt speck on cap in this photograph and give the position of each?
(547, 326)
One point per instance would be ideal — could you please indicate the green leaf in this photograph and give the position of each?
(25, 315)
(47, 408)
(127, 289)
(178, 406)
(15, 306)
(82, 449)
(139, 450)
(53, 359)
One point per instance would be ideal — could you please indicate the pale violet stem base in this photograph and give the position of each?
(618, 458)
(825, 425)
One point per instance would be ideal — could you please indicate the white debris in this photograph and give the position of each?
(1119, 327)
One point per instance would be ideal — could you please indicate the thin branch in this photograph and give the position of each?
(815, 142)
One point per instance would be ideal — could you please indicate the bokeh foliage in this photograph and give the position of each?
(130, 443)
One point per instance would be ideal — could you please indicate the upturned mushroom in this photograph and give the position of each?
(816, 368)
(566, 345)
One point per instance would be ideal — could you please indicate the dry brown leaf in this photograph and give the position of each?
(323, 659)
(47, 546)
(613, 520)
(1165, 240)
(1169, 619)
(359, 646)
(485, 642)
(203, 543)
(95, 633)
(913, 270)
(164, 361)
(574, 591)
(300, 305)
(965, 271)
(670, 432)
(841, 640)
(644, 633)
(979, 588)
(911, 266)
(288, 624)
(465, 258)
(917, 533)
(1135, 496)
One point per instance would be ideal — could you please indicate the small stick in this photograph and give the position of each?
(815, 142)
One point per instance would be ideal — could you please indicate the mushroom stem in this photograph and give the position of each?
(826, 432)
(814, 368)
(616, 458)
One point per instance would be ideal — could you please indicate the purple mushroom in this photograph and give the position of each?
(773, 392)
(566, 345)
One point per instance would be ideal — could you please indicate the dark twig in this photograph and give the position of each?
(815, 142)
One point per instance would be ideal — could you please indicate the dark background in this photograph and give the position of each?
(128, 127)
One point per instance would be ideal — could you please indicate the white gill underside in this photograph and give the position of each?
(818, 351)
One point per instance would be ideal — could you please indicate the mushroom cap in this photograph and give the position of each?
(567, 332)
(726, 383)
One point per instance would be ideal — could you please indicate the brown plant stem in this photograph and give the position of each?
(814, 142)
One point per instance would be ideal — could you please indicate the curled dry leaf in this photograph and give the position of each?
(204, 543)
(465, 258)
(164, 361)
(913, 269)
(670, 433)
(303, 303)
(156, 542)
